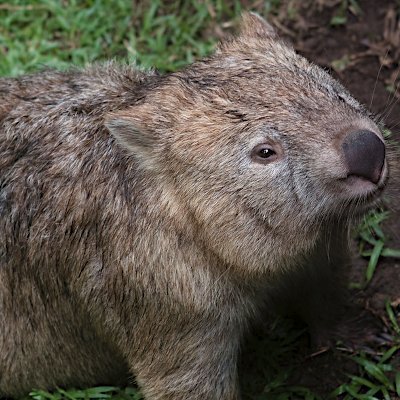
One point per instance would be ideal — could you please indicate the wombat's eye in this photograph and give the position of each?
(264, 153)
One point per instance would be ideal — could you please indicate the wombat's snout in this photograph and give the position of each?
(364, 154)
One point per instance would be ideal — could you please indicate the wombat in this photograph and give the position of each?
(147, 221)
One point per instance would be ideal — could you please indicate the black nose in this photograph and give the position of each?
(364, 154)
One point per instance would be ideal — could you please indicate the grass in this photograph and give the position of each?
(167, 36)
(373, 243)
(80, 32)
(49, 33)
(377, 378)
(100, 392)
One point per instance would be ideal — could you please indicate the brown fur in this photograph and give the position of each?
(152, 256)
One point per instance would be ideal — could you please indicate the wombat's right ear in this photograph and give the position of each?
(132, 134)
(253, 25)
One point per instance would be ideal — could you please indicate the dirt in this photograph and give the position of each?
(364, 54)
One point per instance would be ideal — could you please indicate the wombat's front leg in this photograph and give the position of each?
(188, 362)
(316, 290)
(322, 286)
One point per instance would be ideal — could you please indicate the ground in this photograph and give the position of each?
(359, 43)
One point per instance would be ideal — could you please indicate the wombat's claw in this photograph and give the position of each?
(322, 350)
(382, 339)
(366, 344)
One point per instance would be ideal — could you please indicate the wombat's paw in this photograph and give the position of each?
(352, 332)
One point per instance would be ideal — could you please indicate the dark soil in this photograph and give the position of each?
(364, 54)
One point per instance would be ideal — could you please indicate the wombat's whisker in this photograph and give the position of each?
(392, 97)
(392, 127)
(377, 78)
(393, 105)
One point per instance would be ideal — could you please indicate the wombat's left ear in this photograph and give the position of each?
(253, 25)
(132, 130)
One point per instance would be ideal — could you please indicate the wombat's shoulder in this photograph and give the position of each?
(93, 90)
(54, 118)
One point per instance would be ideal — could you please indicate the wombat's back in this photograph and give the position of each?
(57, 160)
(62, 182)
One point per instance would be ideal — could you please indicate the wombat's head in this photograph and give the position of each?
(260, 145)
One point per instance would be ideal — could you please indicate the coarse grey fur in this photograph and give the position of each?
(138, 233)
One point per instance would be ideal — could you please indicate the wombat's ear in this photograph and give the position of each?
(253, 25)
(132, 134)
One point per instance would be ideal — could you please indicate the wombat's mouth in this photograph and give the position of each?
(359, 185)
(363, 188)
(358, 202)
(362, 193)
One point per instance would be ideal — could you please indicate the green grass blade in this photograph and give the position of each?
(397, 383)
(393, 253)
(392, 317)
(373, 261)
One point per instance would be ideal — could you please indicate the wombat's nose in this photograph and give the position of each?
(364, 154)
